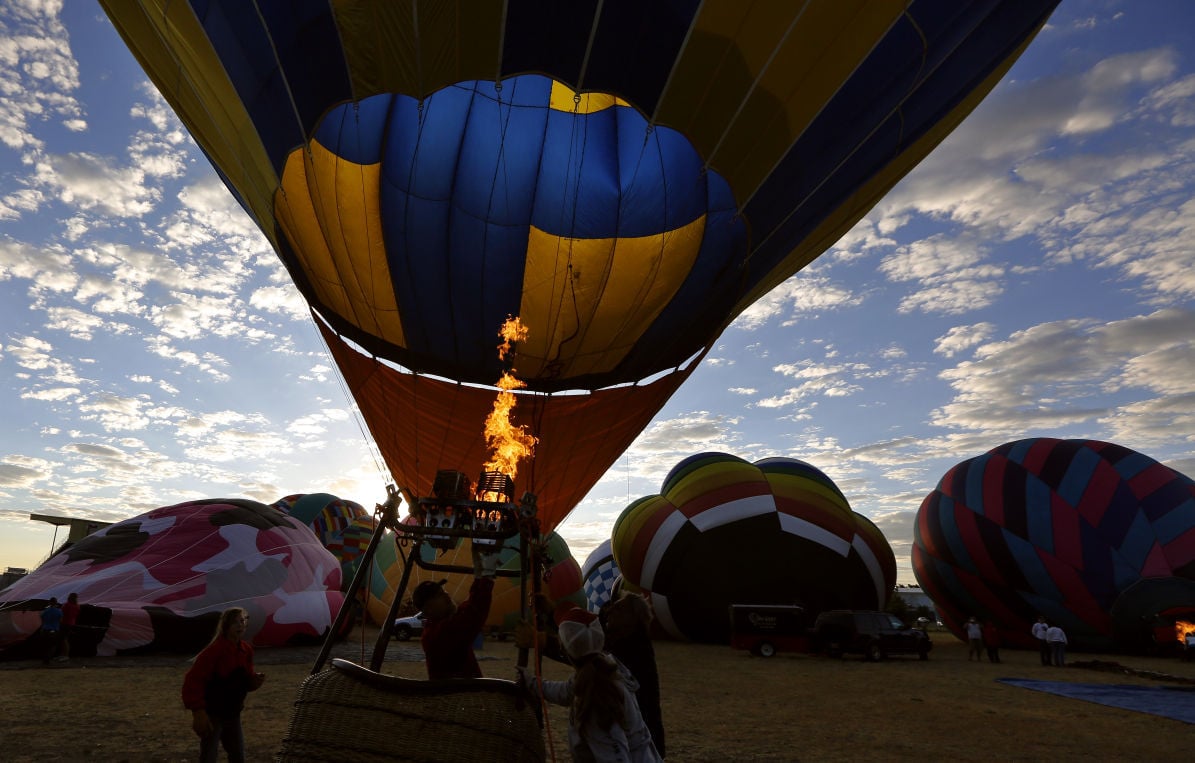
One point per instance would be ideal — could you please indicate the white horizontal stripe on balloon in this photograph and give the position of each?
(801, 528)
(733, 511)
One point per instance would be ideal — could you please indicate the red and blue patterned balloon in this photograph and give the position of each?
(1097, 537)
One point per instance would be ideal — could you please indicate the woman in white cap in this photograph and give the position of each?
(604, 722)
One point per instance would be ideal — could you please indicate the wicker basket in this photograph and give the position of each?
(352, 713)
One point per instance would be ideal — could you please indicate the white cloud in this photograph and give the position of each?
(51, 394)
(951, 275)
(966, 180)
(961, 338)
(806, 292)
(115, 413)
(828, 380)
(91, 182)
(36, 354)
(105, 295)
(18, 471)
(75, 323)
(207, 362)
(192, 316)
(38, 74)
(663, 444)
(315, 424)
(1061, 376)
(284, 300)
(47, 268)
(209, 214)
(163, 150)
(1174, 102)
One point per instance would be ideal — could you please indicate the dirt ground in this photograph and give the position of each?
(719, 705)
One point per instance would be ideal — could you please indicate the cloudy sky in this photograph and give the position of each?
(1034, 277)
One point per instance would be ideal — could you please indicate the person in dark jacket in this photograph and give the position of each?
(627, 621)
(991, 640)
(215, 686)
(51, 630)
(449, 631)
(70, 616)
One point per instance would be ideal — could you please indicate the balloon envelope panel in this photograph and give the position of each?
(1097, 537)
(726, 531)
(166, 575)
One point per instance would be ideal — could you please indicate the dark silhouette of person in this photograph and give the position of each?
(627, 622)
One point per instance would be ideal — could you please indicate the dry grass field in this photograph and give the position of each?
(719, 705)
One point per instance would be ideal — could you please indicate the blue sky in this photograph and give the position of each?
(1033, 277)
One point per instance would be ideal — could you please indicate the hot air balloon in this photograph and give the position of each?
(159, 581)
(343, 526)
(1097, 537)
(599, 573)
(724, 531)
(626, 177)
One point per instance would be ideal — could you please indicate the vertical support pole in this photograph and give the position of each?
(524, 564)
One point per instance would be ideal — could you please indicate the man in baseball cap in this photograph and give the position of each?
(449, 631)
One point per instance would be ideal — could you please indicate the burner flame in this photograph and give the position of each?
(507, 443)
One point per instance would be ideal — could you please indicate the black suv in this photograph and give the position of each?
(875, 635)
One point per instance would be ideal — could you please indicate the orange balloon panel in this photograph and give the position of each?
(422, 424)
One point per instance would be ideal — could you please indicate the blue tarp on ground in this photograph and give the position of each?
(1168, 701)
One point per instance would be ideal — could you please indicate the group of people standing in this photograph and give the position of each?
(1051, 641)
(57, 622)
(980, 637)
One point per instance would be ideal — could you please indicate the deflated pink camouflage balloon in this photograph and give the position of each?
(159, 581)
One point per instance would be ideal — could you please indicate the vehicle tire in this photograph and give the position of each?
(766, 649)
(923, 654)
(403, 633)
(873, 653)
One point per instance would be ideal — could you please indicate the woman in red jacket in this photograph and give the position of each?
(214, 688)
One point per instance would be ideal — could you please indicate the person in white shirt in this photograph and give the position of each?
(1039, 633)
(974, 639)
(1056, 638)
